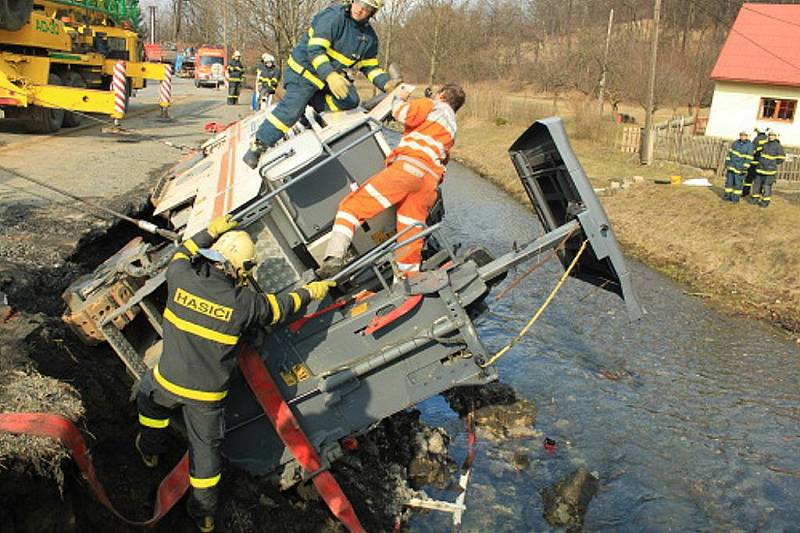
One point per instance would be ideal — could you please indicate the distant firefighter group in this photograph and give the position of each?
(752, 166)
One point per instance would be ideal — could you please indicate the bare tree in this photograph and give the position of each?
(276, 25)
(389, 20)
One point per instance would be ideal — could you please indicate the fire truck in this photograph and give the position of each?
(57, 59)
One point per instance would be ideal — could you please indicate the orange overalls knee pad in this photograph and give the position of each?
(401, 184)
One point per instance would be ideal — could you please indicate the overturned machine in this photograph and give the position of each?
(378, 346)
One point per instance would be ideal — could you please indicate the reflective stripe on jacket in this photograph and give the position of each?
(205, 316)
(335, 42)
(268, 76)
(235, 70)
(740, 155)
(758, 144)
(772, 155)
(429, 132)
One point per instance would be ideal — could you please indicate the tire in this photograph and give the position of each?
(14, 14)
(128, 94)
(73, 79)
(45, 119)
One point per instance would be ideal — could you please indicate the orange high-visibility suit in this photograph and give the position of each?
(413, 172)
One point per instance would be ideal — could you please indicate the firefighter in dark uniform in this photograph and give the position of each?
(758, 144)
(235, 78)
(268, 77)
(740, 155)
(340, 37)
(208, 308)
(772, 155)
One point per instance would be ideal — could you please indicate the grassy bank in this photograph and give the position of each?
(743, 259)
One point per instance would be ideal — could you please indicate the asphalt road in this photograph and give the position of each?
(90, 161)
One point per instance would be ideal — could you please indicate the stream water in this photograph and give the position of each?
(690, 419)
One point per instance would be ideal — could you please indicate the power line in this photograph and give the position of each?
(755, 43)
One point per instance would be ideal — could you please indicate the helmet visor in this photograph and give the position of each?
(212, 255)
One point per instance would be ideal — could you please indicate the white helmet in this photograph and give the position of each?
(375, 4)
(237, 53)
(267, 58)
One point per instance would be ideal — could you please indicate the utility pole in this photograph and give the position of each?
(225, 25)
(602, 92)
(152, 10)
(648, 136)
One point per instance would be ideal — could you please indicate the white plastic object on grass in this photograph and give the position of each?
(697, 182)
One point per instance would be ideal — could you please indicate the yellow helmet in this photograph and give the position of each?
(237, 53)
(238, 250)
(375, 4)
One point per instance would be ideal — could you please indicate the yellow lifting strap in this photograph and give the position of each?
(541, 309)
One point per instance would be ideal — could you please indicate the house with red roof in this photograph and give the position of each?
(757, 75)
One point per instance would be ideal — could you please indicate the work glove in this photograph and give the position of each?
(338, 85)
(319, 289)
(220, 225)
(253, 155)
(391, 85)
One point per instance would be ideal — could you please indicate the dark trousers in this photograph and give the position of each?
(205, 429)
(762, 188)
(234, 88)
(733, 186)
(748, 181)
(299, 93)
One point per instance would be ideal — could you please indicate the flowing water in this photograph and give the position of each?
(690, 419)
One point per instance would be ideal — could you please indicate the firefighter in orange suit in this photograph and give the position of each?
(410, 180)
(209, 306)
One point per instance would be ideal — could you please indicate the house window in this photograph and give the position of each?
(777, 109)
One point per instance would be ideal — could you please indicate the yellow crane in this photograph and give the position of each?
(58, 56)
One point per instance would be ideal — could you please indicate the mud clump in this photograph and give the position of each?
(566, 502)
(499, 413)
(431, 464)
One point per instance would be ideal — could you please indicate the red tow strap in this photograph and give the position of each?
(175, 485)
(288, 429)
(171, 489)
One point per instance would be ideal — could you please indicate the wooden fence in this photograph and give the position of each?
(631, 137)
(678, 145)
(695, 151)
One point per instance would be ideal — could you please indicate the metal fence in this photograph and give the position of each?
(680, 146)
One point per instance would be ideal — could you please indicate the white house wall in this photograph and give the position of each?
(736, 107)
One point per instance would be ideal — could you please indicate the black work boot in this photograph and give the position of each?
(204, 524)
(330, 267)
(203, 520)
(253, 155)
